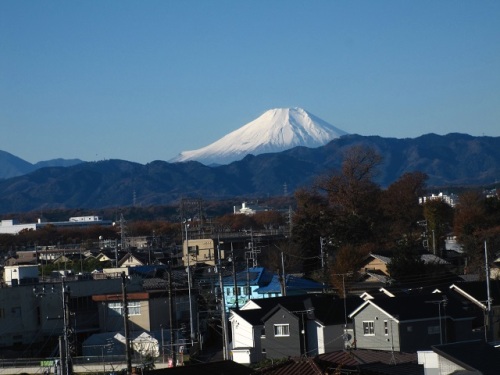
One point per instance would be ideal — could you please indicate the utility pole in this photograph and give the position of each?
(191, 327)
(322, 241)
(65, 363)
(225, 339)
(488, 303)
(234, 279)
(283, 273)
(434, 242)
(171, 313)
(128, 354)
(123, 235)
(65, 349)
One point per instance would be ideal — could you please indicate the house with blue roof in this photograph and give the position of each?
(294, 286)
(258, 283)
(243, 286)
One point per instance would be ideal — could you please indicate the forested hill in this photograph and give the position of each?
(453, 159)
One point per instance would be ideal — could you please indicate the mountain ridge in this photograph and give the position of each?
(12, 166)
(451, 160)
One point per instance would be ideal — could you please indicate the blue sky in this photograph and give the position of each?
(145, 80)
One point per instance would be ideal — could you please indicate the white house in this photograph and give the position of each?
(20, 274)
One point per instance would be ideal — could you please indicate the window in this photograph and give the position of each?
(246, 290)
(368, 328)
(263, 332)
(228, 291)
(433, 330)
(281, 330)
(386, 328)
(134, 308)
(116, 306)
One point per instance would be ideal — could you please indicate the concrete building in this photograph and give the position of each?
(14, 227)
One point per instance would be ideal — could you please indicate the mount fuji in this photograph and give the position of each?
(275, 130)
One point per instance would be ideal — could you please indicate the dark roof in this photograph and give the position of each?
(295, 366)
(478, 290)
(209, 368)
(330, 310)
(253, 316)
(392, 369)
(267, 304)
(368, 361)
(361, 356)
(422, 306)
(472, 355)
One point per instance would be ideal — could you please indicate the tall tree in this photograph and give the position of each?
(439, 219)
(309, 223)
(353, 196)
(401, 209)
(476, 221)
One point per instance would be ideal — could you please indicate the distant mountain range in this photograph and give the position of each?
(12, 166)
(453, 159)
(276, 130)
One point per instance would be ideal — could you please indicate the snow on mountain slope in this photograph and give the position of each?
(274, 131)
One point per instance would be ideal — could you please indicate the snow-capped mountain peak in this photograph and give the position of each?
(275, 130)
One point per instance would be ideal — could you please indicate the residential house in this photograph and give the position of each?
(201, 251)
(469, 357)
(294, 285)
(244, 286)
(374, 272)
(20, 275)
(411, 322)
(133, 259)
(375, 263)
(378, 264)
(279, 327)
(476, 294)
(30, 314)
(148, 308)
(22, 258)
